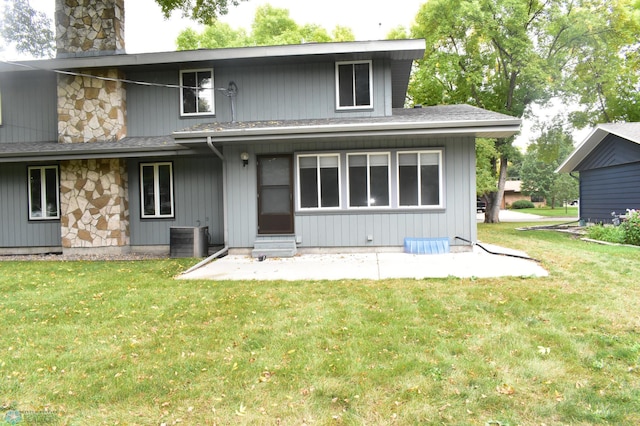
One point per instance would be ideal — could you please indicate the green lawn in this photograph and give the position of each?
(124, 343)
(549, 212)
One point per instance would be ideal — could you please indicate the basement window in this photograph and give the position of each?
(156, 190)
(44, 200)
(196, 95)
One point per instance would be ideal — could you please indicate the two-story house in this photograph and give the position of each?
(106, 151)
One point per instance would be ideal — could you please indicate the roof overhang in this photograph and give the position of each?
(125, 148)
(401, 50)
(429, 121)
(478, 129)
(629, 131)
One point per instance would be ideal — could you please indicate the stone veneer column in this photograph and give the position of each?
(90, 108)
(95, 205)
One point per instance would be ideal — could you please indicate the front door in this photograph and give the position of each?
(275, 194)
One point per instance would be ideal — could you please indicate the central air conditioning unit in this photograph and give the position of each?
(188, 241)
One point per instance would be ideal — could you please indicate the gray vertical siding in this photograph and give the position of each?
(29, 107)
(273, 92)
(15, 228)
(198, 200)
(348, 228)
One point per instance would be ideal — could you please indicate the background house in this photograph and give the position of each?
(513, 193)
(609, 164)
(271, 148)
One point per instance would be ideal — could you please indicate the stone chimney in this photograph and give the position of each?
(89, 27)
(92, 108)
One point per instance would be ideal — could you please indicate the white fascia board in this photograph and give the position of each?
(500, 128)
(85, 156)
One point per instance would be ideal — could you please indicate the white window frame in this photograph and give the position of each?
(212, 89)
(44, 214)
(156, 191)
(440, 204)
(337, 74)
(389, 165)
(319, 189)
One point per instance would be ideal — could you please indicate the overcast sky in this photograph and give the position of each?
(146, 30)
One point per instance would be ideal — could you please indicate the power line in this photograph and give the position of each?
(121, 80)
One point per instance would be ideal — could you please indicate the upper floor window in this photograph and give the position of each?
(354, 85)
(319, 181)
(368, 176)
(420, 179)
(156, 190)
(44, 200)
(196, 96)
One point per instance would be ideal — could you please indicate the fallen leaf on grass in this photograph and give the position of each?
(241, 411)
(505, 389)
(544, 351)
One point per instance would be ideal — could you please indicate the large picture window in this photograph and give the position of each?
(196, 96)
(44, 200)
(156, 190)
(368, 176)
(354, 85)
(319, 181)
(419, 179)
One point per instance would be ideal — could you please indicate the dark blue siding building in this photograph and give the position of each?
(608, 161)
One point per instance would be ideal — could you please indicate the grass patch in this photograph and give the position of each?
(549, 212)
(122, 342)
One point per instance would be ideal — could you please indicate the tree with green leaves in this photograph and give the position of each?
(503, 55)
(214, 36)
(540, 162)
(486, 174)
(271, 26)
(30, 29)
(201, 11)
(606, 78)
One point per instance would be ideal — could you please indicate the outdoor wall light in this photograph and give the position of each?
(245, 159)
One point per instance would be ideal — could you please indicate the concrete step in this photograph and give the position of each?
(279, 246)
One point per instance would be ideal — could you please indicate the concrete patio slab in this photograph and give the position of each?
(371, 266)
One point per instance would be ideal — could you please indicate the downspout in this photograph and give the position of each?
(225, 228)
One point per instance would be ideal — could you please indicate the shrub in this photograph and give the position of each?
(631, 228)
(522, 204)
(611, 234)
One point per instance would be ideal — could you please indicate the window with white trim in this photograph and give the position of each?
(44, 194)
(196, 96)
(420, 179)
(319, 181)
(369, 181)
(354, 85)
(156, 190)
